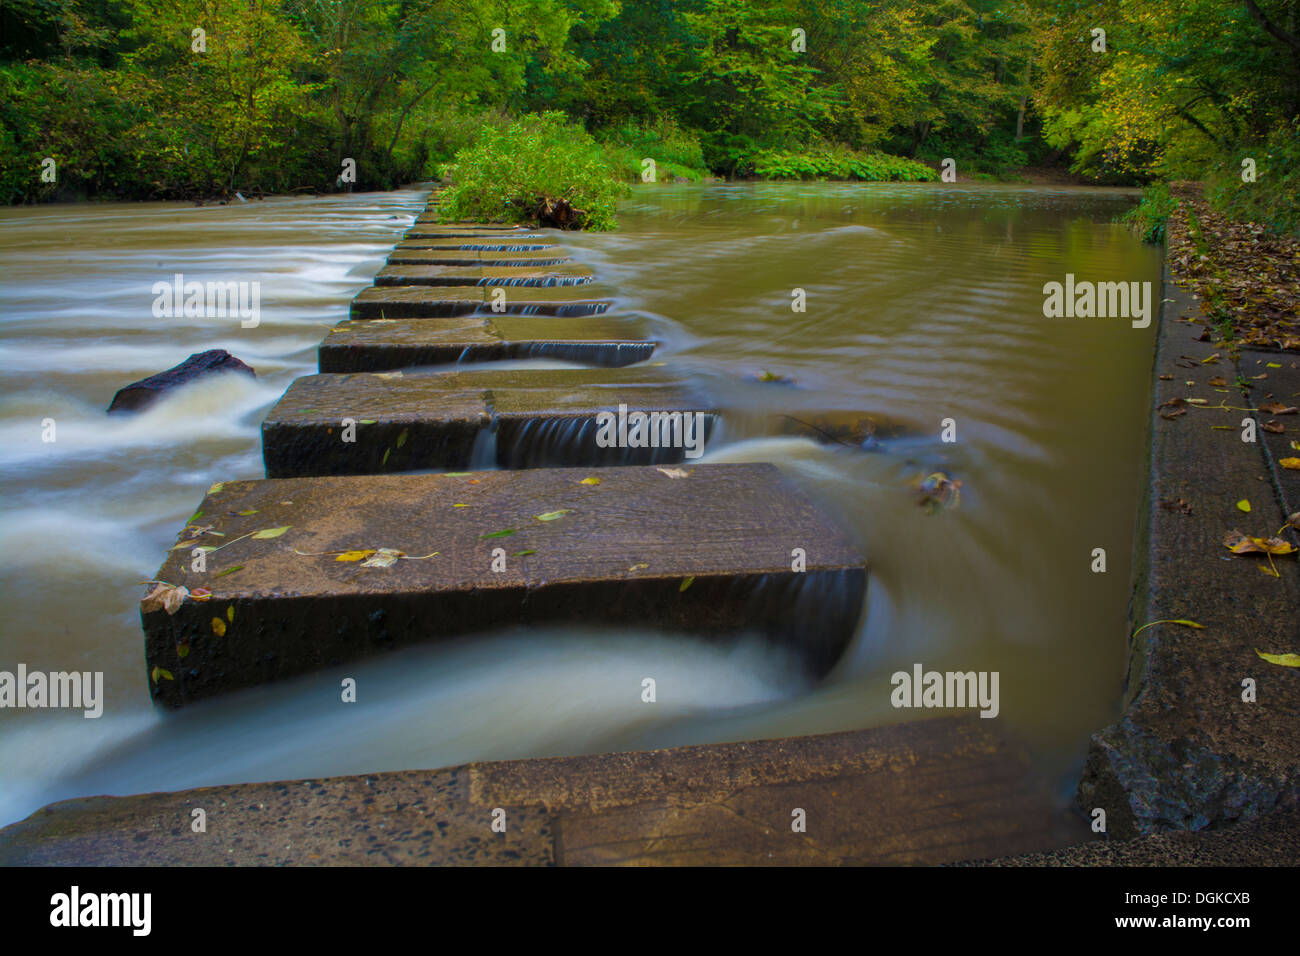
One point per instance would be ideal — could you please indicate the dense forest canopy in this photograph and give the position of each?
(176, 98)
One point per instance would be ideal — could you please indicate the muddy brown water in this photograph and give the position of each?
(923, 303)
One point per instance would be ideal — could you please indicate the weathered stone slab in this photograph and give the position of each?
(416, 301)
(520, 418)
(922, 793)
(706, 554)
(461, 234)
(142, 394)
(449, 257)
(378, 345)
(510, 244)
(505, 276)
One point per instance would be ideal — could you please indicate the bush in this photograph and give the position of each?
(1150, 216)
(1273, 200)
(677, 152)
(839, 162)
(540, 168)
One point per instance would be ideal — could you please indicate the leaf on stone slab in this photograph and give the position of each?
(1291, 464)
(1217, 381)
(499, 534)
(553, 515)
(267, 533)
(674, 472)
(158, 672)
(1284, 660)
(1239, 543)
(1277, 408)
(1277, 428)
(590, 481)
(216, 489)
(231, 570)
(383, 558)
(1244, 505)
(359, 555)
(638, 567)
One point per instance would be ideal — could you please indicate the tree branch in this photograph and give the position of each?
(1271, 28)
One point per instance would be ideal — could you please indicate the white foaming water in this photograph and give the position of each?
(495, 697)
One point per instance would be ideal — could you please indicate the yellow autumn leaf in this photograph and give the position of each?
(589, 481)
(1285, 660)
(355, 555)
(1244, 505)
(1239, 543)
(1291, 463)
(218, 627)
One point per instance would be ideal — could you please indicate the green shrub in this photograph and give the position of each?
(839, 162)
(676, 152)
(1273, 199)
(1150, 216)
(508, 174)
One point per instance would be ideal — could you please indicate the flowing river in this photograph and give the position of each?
(923, 303)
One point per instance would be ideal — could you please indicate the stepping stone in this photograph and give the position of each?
(708, 554)
(378, 345)
(517, 418)
(480, 244)
(473, 257)
(484, 275)
(489, 235)
(925, 792)
(414, 301)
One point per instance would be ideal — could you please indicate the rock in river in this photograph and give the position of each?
(145, 392)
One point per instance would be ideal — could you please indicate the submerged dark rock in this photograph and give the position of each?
(141, 394)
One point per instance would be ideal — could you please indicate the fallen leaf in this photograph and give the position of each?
(1243, 505)
(267, 533)
(230, 613)
(201, 594)
(589, 481)
(245, 514)
(185, 544)
(355, 555)
(1239, 543)
(499, 534)
(218, 627)
(158, 672)
(1166, 378)
(686, 582)
(1178, 406)
(552, 515)
(1277, 428)
(388, 375)
(1291, 464)
(674, 472)
(182, 651)
(1212, 358)
(1285, 660)
(638, 567)
(383, 558)
(216, 489)
(222, 574)
(520, 554)
(1277, 408)
(383, 461)
(937, 491)
(1176, 505)
(1179, 622)
(401, 439)
(460, 506)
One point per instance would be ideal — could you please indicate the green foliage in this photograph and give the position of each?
(1151, 216)
(1273, 199)
(508, 173)
(839, 162)
(676, 152)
